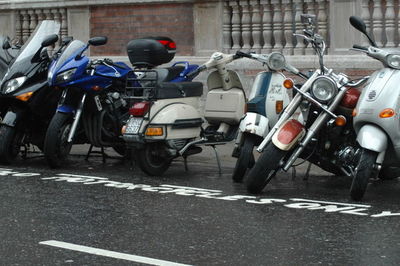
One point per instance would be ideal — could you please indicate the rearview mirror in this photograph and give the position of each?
(96, 41)
(6, 45)
(49, 40)
(359, 24)
(66, 40)
(308, 19)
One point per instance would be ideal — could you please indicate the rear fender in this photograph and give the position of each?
(288, 135)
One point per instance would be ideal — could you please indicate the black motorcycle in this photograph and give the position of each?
(25, 95)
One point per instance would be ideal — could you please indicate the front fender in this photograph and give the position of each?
(288, 134)
(372, 138)
(66, 109)
(254, 123)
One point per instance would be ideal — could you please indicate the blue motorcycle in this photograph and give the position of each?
(93, 106)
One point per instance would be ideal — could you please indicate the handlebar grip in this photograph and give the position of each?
(243, 54)
(355, 46)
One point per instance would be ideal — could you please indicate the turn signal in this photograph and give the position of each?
(96, 88)
(278, 107)
(123, 130)
(24, 97)
(288, 83)
(386, 113)
(340, 121)
(154, 131)
(354, 113)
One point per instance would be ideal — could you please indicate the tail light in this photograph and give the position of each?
(139, 109)
(168, 44)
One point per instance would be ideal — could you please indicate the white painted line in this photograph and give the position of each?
(331, 202)
(86, 176)
(111, 254)
(194, 188)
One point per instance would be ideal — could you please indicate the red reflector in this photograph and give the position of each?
(139, 109)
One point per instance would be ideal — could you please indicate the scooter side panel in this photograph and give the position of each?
(254, 123)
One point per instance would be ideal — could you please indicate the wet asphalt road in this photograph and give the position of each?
(195, 217)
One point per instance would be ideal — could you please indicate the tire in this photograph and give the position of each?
(245, 159)
(56, 148)
(389, 173)
(264, 169)
(363, 173)
(151, 159)
(10, 144)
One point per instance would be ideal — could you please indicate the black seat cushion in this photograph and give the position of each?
(168, 90)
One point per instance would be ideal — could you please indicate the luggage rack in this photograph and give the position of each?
(140, 84)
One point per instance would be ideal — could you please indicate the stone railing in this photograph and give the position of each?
(268, 25)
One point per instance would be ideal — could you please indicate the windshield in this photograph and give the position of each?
(71, 50)
(44, 29)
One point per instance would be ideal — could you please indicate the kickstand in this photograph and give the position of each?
(218, 161)
(24, 152)
(89, 152)
(307, 175)
(185, 163)
(103, 154)
(294, 172)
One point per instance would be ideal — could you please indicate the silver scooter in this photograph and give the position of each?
(376, 117)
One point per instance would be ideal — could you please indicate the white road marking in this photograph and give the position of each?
(331, 202)
(111, 254)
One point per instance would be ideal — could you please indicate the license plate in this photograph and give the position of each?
(133, 125)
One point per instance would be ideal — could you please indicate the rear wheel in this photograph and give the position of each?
(152, 159)
(56, 146)
(264, 169)
(364, 171)
(246, 158)
(10, 144)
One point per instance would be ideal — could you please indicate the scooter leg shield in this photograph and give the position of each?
(372, 138)
(288, 134)
(254, 123)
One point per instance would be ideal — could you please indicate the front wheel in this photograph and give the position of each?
(364, 171)
(246, 158)
(152, 159)
(10, 144)
(264, 169)
(56, 146)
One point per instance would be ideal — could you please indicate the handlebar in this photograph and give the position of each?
(359, 47)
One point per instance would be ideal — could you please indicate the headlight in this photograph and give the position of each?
(323, 89)
(65, 76)
(14, 84)
(276, 61)
(393, 60)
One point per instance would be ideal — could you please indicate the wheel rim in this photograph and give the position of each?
(65, 146)
(153, 158)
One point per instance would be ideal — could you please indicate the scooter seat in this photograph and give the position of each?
(169, 73)
(168, 90)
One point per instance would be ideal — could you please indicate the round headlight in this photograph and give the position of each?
(323, 89)
(276, 61)
(393, 60)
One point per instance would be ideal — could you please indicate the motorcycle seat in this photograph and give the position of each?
(169, 73)
(169, 90)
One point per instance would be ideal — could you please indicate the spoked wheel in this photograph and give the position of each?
(10, 143)
(56, 146)
(264, 169)
(152, 159)
(246, 158)
(364, 171)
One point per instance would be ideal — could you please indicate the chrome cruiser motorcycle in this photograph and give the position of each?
(325, 138)
(376, 118)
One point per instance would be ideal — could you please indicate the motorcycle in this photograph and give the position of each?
(25, 94)
(92, 108)
(266, 101)
(325, 138)
(376, 118)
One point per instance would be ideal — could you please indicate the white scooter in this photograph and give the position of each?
(268, 97)
(376, 118)
(165, 121)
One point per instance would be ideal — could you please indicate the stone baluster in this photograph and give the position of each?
(366, 16)
(226, 30)
(323, 20)
(310, 9)
(64, 22)
(33, 21)
(25, 25)
(236, 34)
(57, 18)
(256, 24)
(377, 22)
(47, 14)
(288, 27)
(40, 15)
(299, 46)
(246, 24)
(277, 22)
(18, 27)
(267, 26)
(390, 23)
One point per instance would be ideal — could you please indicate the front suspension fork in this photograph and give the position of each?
(76, 118)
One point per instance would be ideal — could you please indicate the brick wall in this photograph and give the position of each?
(123, 23)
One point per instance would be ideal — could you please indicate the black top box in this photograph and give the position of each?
(151, 51)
